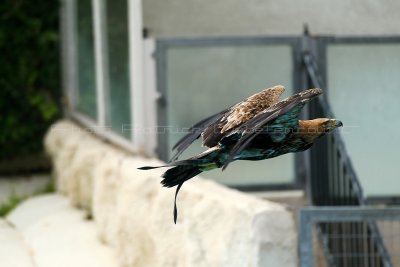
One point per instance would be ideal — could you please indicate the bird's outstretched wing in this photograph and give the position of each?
(217, 126)
(283, 114)
(194, 133)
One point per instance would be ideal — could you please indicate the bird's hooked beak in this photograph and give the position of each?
(333, 124)
(338, 123)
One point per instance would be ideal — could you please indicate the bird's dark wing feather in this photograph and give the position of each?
(217, 126)
(283, 114)
(281, 127)
(194, 133)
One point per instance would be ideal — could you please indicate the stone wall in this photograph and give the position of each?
(217, 226)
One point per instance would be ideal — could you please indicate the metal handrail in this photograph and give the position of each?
(316, 81)
(342, 187)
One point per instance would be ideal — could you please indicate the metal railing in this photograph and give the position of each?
(334, 183)
(357, 245)
(339, 184)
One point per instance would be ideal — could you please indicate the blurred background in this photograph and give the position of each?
(137, 74)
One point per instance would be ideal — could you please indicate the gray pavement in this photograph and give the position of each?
(22, 185)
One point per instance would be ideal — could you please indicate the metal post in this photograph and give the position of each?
(305, 240)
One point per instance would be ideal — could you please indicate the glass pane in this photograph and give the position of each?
(118, 100)
(364, 84)
(204, 80)
(86, 96)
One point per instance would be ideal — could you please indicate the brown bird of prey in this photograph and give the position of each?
(260, 127)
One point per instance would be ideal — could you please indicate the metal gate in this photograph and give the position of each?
(349, 244)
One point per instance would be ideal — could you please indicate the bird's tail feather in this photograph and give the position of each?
(189, 162)
(184, 170)
(179, 174)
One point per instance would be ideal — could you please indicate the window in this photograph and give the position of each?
(102, 39)
(86, 86)
(363, 79)
(203, 79)
(118, 112)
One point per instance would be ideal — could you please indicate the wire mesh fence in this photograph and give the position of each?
(349, 237)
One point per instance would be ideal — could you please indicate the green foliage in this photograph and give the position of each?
(29, 74)
(49, 188)
(12, 202)
(9, 205)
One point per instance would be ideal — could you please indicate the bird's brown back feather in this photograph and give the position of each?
(241, 113)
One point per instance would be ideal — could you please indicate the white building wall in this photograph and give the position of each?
(270, 17)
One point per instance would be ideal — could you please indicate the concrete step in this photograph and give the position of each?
(13, 250)
(58, 234)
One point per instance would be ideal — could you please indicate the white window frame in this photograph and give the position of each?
(142, 101)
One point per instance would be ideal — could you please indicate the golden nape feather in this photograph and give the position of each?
(310, 130)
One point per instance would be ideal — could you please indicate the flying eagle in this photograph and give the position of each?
(260, 127)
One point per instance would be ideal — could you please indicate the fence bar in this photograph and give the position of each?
(360, 217)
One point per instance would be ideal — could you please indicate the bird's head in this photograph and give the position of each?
(313, 129)
(328, 125)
